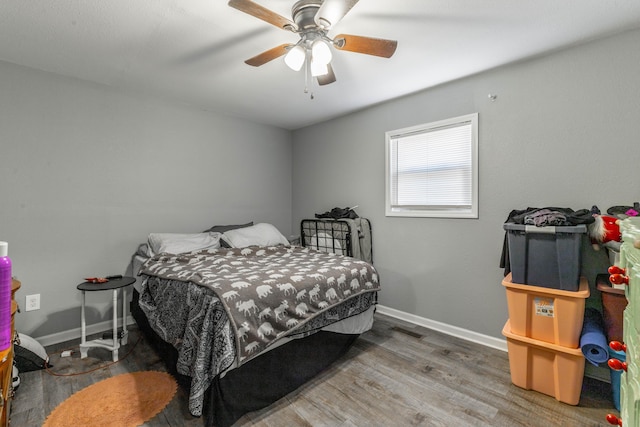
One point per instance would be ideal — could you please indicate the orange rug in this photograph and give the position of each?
(126, 400)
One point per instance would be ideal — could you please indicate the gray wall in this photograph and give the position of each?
(86, 173)
(563, 131)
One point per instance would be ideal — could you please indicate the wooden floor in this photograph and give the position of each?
(397, 374)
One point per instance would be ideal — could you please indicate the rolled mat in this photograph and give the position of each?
(593, 342)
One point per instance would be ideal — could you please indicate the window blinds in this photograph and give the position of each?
(432, 168)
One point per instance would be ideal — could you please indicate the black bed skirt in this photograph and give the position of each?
(259, 382)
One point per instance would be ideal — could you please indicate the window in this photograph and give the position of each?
(432, 169)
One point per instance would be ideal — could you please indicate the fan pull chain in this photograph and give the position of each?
(307, 74)
(306, 79)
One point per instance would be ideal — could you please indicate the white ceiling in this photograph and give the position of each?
(193, 51)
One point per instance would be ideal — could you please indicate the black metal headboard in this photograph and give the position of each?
(326, 235)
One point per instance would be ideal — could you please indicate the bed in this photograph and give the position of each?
(242, 318)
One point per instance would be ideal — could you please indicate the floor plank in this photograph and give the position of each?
(395, 374)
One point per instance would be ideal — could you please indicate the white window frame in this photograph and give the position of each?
(469, 211)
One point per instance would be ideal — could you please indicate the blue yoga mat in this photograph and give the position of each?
(593, 342)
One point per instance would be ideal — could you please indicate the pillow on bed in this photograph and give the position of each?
(176, 243)
(225, 228)
(261, 234)
(144, 250)
(323, 242)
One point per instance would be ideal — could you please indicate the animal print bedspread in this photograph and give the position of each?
(269, 292)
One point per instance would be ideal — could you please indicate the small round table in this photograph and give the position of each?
(112, 344)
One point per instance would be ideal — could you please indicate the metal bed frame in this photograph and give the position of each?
(328, 235)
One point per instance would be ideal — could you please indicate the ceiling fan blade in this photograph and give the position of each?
(332, 11)
(367, 45)
(325, 79)
(268, 55)
(261, 12)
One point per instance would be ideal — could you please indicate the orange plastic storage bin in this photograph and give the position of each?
(551, 315)
(546, 368)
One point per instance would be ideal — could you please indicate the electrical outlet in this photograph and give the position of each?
(32, 302)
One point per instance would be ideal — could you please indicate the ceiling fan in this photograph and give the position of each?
(312, 20)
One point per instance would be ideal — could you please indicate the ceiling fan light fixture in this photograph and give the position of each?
(311, 21)
(295, 58)
(321, 52)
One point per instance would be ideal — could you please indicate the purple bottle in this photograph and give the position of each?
(5, 297)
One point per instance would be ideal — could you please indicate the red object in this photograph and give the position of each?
(617, 365)
(618, 346)
(614, 269)
(604, 229)
(612, 419)
(619, 279)
(96, 279)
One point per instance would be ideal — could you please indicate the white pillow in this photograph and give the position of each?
(323, 243)
(261, 234)
(176, 243)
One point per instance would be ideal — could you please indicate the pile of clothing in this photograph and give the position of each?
(339, 213)
(541, 217)
(602, 228)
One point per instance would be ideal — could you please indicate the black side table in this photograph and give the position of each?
(112, 344)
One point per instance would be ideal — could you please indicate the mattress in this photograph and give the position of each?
(192, 315)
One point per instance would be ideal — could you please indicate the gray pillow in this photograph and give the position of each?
(225, 228)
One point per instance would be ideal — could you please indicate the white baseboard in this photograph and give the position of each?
(455, 331)
(76, 333)
(465, 334)
(601, 373)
